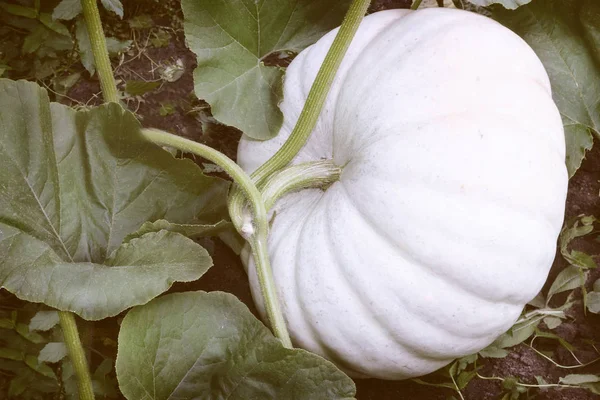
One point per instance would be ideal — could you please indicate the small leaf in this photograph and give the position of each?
(44, 321)
(67, 9)
(114, 6)
(116, 46)
(18, 385)
(209, 345)
(493, 352)
(18, 10)
(593, 302)
(84, 45)
(56, 26)
(465, 361)
(11, 354)
(35, 39)
(6, 323)
(33, 337)
(161, 38)
(578, 379)
(510, 4)
(53, 352)
(540, 380)
(517, 334)
(245, 93)
(538, 301)
(596, 287)
(509, 382)
(463, 379)
(568, 279)
(44, 369)
(552, 322)
(138, 88)
(579, 140)
(143, 21)
(581, 260)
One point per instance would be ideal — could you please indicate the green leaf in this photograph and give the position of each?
(116, 46)
(75, 184)
(552, 322)
(138, 88)
(581, 226)
(579, 139)
(53, 352)
(209, 345)
(245, 93)
(519, 332)
(6, 323)
(493, 352)
(44, 321)
(143, 21)
(581, 260)
(67, 9)
(549, 28)
(39, 367)
(84, 45)
(35, 39)
(56, 26)
(568, 279)
(11, 354)
(114, 6)
(578, 379)
(18, 386)
(463, 379)
(510, 4)
(33, 337)
(593, 302)
(596, 286)
(18, 10)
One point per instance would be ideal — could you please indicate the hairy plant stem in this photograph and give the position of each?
(110, 93)
(98, 42)
(415, 4)
(312, 108)
(256, 233)
(76, 355)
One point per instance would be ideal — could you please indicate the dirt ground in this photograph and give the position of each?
(228, 275)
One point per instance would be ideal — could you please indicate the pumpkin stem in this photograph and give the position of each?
(316, 174)
(312, 108)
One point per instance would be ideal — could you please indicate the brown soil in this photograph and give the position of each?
(228, 275)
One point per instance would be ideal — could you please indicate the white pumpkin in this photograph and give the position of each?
(444, 222)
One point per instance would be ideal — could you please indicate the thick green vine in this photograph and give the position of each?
(76, 354)
(312, 108)
(100, 51)
(254, 232)
(68, 323)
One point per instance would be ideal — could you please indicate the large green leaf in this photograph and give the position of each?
(73, 185)
(232, 38)
(209, 346)
(552, 28)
